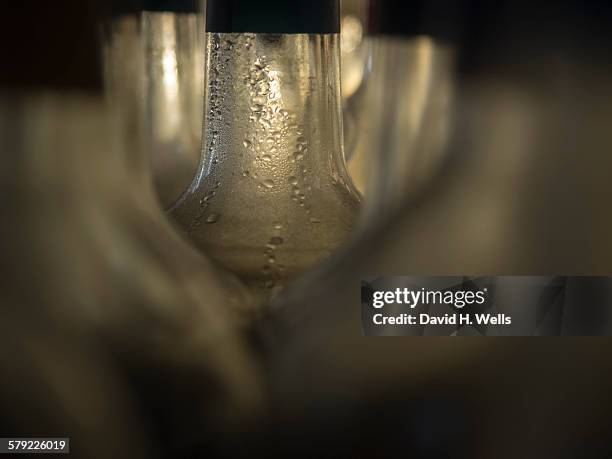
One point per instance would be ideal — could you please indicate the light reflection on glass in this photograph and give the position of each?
(401, 117)
(174, 97)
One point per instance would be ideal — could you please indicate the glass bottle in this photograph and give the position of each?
(525, 194)
(172, 41)
(88, 245)
(272, 196)
(354, 55)
(51, 361)
(402, 112)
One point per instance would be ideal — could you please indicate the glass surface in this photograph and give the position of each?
(156, 61)
(174, 98)
(272, 196)
(401, 115)
(85, 245)
(354, 55)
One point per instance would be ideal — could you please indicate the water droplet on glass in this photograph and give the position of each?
(213, 218)
(314, 220)
(268, 183)
(293, 180)
(266, 158)
(245, 174)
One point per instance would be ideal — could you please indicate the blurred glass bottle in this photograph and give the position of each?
(527, 191)
(171, 35)
(87, 245)
(272, 196)
(353, 62)
(403, 110)
(353, 55)
(51, 362)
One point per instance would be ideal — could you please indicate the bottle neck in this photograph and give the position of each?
(151, 83)
(273, 100)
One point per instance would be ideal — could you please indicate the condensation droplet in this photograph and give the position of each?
(277, 241)
(266, 158)
(293, 180)
(268, 183)
(213, 218)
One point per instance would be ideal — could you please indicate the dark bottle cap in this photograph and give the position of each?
(273, 16)
(170, 6)
(52, 45)
(436, 18)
